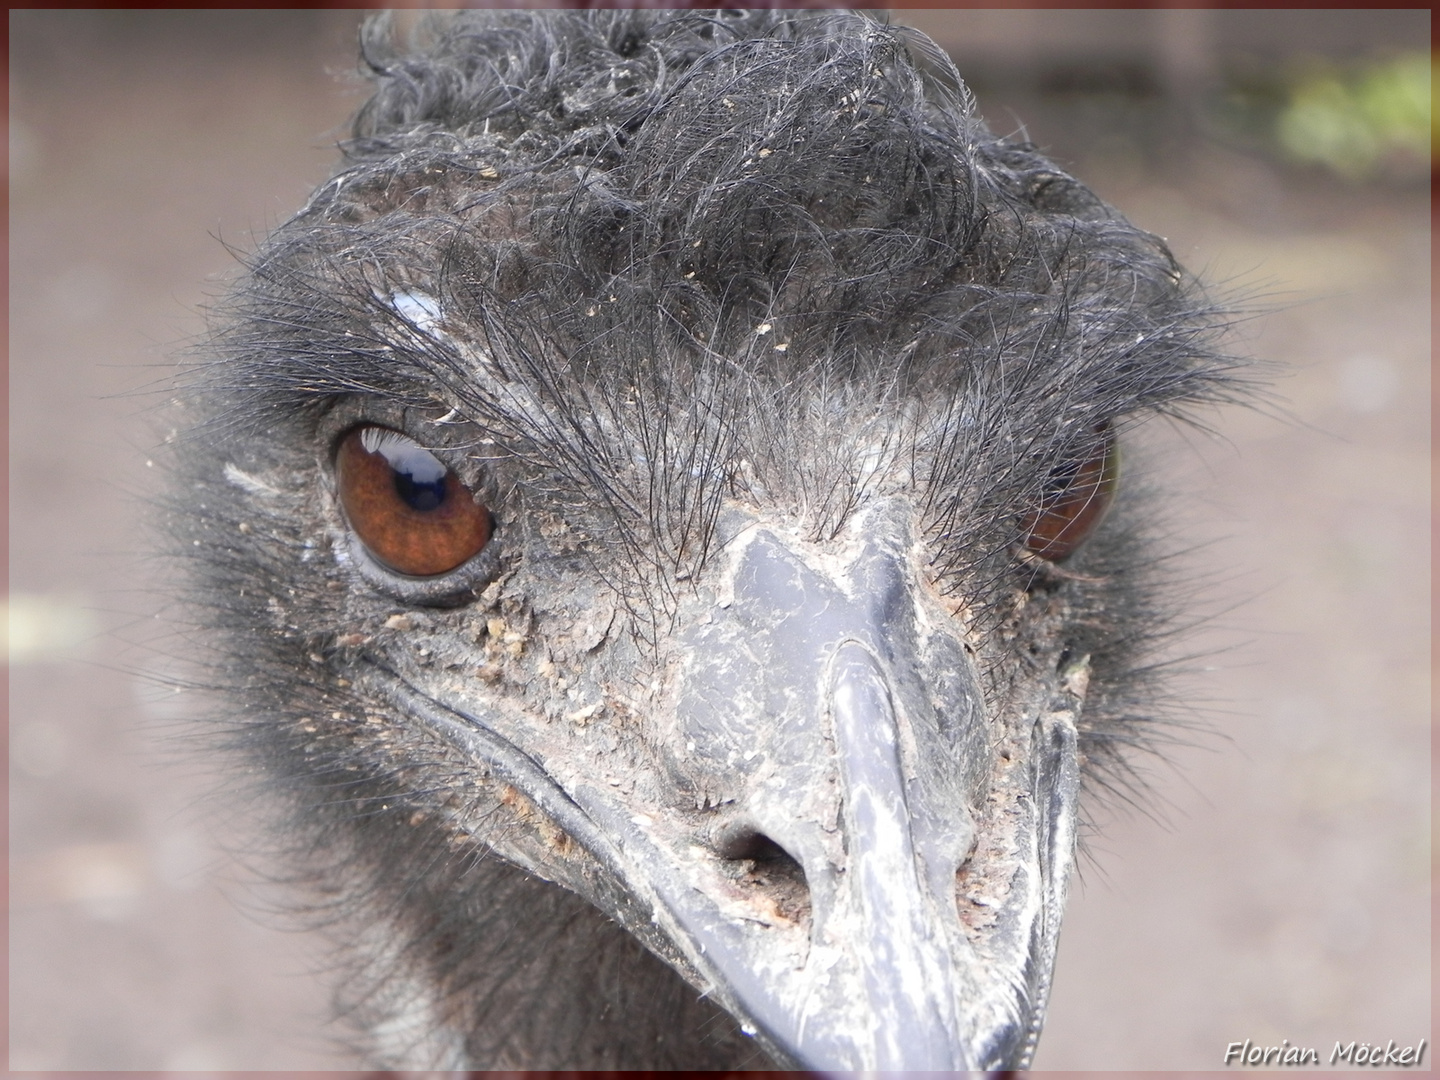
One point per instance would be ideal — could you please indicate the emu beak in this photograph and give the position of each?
(862, 862)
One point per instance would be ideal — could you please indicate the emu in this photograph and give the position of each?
(657, 516)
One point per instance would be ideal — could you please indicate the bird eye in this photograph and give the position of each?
(1076, 499)
(410, 511)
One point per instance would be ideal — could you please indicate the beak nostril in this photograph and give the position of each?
(778, 877)
(740, 840)
(756, 846)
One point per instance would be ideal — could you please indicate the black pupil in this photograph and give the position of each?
(418, 494)
(1061, 481)
(419, 474)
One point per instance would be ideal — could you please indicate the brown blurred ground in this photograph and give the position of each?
(1285, 894)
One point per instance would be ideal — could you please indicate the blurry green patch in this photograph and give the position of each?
(1375, 120)
(1362, 121)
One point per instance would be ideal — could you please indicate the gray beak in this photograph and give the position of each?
(862, 860)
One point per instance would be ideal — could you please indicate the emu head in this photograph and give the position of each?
(670, 457)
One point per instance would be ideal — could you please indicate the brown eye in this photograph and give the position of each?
(1077, 499)
(410, 511)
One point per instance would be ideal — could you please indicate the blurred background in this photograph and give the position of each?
(1277, 885)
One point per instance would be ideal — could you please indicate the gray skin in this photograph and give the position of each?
(757, 669)
(823, 699)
